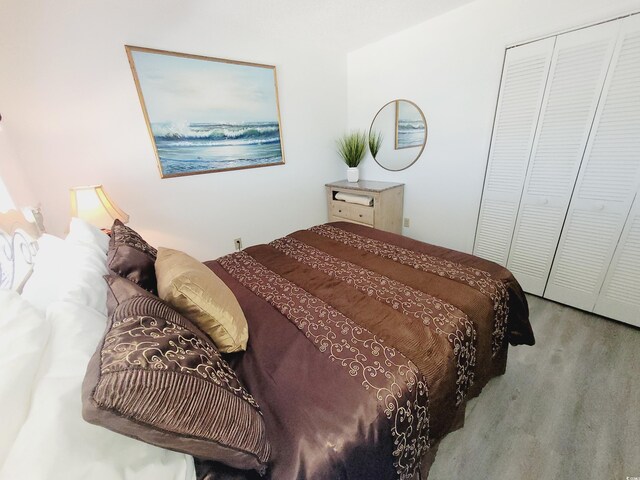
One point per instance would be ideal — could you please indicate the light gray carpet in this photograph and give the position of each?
(567, 408)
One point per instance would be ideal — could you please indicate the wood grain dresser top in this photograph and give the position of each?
(365, 185)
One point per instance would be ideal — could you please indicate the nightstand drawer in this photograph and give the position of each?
(353, 212)
(384, 213)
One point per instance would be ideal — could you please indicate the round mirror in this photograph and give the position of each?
(398, 135)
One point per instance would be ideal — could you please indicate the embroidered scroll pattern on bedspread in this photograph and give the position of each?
(448, 320)
(473, 277)
(399, 387)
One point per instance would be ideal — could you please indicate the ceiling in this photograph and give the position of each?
(342, 24)
(355, 23)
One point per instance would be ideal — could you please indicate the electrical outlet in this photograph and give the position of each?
(406, 222)
(237, 243)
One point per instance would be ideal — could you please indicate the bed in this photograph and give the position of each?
(364, 347)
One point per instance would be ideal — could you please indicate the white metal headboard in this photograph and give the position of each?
(18, 246)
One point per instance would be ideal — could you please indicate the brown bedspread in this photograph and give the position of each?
(364, 347)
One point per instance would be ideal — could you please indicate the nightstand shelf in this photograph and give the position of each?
(385, 212)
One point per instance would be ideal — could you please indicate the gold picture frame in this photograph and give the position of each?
(207, 114)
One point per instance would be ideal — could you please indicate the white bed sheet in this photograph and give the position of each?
(24, 336)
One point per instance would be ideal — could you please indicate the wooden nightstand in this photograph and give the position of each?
(384, 214)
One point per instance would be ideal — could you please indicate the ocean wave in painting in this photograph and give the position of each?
(190, 147)
(411, 133)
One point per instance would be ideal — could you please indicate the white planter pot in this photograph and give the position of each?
(353, 174)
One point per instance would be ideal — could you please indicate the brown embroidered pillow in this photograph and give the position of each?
(157, 378)
(131, 257)
(120, 289)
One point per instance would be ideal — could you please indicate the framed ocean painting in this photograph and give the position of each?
(207, 114)
(411, 126)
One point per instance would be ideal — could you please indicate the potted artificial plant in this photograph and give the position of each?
(352, 148)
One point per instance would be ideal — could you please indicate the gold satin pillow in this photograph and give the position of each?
(198, 294)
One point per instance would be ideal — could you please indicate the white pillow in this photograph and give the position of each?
(55, 442)
(22, 342)
(68, 270)
(42, 287)
(84, 280)
(81, 231)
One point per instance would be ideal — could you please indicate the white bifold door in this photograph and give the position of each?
(620, 294)
(578, 70)
(524, 78)
(607, 182)
(564, 169)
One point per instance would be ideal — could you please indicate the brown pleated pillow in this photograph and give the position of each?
(131, 257)
(120, 289)
(156, 377)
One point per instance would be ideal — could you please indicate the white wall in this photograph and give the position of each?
(450, 66)
(14, 189)
(68, 96)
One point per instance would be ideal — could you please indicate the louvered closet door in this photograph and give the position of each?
(620, 294)
(521, 91)
(607, 181)
(577, 74)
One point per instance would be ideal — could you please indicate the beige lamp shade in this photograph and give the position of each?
(93, 205)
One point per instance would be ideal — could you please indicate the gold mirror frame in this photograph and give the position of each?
(426, 132)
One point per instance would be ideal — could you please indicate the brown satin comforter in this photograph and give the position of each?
(364, 347)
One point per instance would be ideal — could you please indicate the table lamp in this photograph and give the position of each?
(92, 204)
